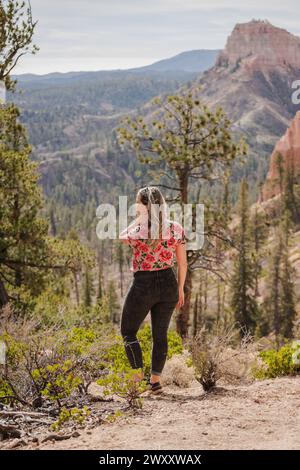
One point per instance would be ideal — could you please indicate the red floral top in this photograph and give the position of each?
(162, 255)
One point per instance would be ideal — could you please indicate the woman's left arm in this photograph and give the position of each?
(182, 270)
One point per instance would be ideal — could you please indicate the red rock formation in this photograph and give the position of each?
(258, 44)
(252, 82)
(289, 148)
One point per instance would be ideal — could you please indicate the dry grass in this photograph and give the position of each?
(177, 372)
(215, 358)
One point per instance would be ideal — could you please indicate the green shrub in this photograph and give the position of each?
(79, 340)
(279, 363)
(5, 392)
(120, 378)
(52, 364)
(14, 350)
(55, 364)
(73, 414)
(116, 357)
(125, 385)
(59, 380)
(55, 307)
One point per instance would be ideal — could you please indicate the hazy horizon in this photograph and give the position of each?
(112, 69)
(93, 35)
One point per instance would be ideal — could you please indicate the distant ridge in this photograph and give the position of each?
(195, 61)
(189, 61)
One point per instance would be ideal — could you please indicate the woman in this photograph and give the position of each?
(156, 241)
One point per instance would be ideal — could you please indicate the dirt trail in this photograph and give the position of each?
(262, 415)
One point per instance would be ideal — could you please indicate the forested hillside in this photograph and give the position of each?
(71, 119)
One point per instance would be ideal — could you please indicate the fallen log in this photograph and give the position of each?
(60, 437)
(32, 414)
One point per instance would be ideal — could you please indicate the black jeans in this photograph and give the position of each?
(156, 291)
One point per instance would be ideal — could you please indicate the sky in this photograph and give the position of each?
(78, 35)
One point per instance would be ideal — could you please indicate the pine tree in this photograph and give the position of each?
(260, 232)
(243, 301)
(288, 311)
(113, 302)
(29, 257)
(16, 32)
(53, 227)
(100, 261)
(280, 169)
(191, 142)
(289, 199)
(88, 288)
(274, 300)
(226, 206)
(279, 306)
(23, 233)
(120, 258)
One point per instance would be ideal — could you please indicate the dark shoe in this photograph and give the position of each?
(155, 388)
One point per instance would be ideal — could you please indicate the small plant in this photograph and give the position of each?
(214, 357)
(112, 417)
(6, 394)
(79, 340)
(52, 364)
(206, 353)
(206, 371)
(59, 380)
(75, 415)
(285, 361)
(189, 361)
(124, 385)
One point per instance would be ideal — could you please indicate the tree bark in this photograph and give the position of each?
(3, 294)
(195, 318)
(76, 287)
(182, 321)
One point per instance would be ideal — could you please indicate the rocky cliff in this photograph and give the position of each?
(259, 45)
(252, 81)
(288, 150)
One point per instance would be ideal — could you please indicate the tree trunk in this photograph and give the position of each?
(182, 320)
(3, 294)
(76, 287)
(195, 318)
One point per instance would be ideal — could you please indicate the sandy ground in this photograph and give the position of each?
(262, 415)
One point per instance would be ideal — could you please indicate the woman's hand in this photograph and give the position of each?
(180, 302)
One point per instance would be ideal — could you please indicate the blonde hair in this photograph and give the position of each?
(152, 198)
